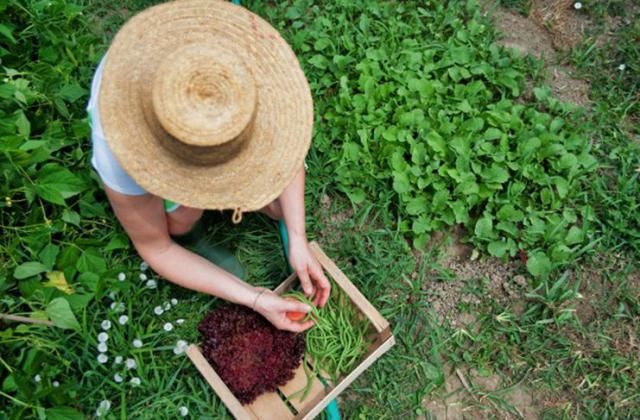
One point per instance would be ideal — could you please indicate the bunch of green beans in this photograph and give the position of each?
(337, 341)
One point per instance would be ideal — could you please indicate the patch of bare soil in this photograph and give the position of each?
(523, 35)
(565, 24)
(491, 275)
(567, 88)
(535, 36)
(470, 395)
(333, 220)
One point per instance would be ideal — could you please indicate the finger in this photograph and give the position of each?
(324, 286)
(297, 326)
(305, 281)
(296, 306)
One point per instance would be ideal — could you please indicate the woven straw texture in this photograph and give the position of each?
(204, 103)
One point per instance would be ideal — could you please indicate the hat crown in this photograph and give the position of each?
(204, 95)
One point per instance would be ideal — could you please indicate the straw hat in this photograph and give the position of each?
(204, 103)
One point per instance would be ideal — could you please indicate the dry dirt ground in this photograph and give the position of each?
(552, 26)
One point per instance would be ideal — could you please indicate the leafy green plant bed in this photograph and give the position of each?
(424, 110)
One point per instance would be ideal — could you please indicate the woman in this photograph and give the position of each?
(204, 104)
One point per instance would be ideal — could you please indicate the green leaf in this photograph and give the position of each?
(23, 125)
(497, 248)
(473, 125)
(568, 161)
(72, 92)
(436, 142)
(91, 261)
(292, 13)
(539, 264)
(89, 280)
(509, 213)
(63, 413)
(562, 186)
(48, 255)
(556, 125)
(421, 225)
(356, 195)
(7, 33)
(484, 228)
(401, 182)
(496, 174)
(469, 187)
(465, 107)
(79, 301)
(461, 55)
(575, 236)
(460, 211)
(71, 217)
(319, 61)
(60, 313)
(29, 269)
(492, 133)
(120, 241)
(55, 183)
(417, 205)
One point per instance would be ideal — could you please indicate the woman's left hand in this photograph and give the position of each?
(308, 269)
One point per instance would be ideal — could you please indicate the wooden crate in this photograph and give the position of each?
(272, 406)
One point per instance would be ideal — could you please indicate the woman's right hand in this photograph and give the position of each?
(274, 308)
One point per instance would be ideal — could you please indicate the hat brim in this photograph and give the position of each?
(282, 127)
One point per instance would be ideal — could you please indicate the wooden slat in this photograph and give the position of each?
(346, 381)
(298, 383)
(377, 320)
(269, 406)
(286, 285)
(227, 397)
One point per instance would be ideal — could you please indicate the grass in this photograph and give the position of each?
(569, 337)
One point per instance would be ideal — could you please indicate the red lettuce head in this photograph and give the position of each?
(250, 355)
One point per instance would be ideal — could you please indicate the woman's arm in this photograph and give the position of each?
(314, 283)
(144, 220)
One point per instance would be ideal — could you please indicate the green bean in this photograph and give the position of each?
(337, 340)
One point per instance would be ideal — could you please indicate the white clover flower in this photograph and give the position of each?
(112, 296)
(143, 276)
(104, 406)
(180, 347)
(118, 360)
(102, 358)
(37, 378)
(105, 325)
(102, 347)
(137, 343)
(123, 319)
(167, 306)
(168, 326)
(184, 411)
(144, 266)
(135, 381)
(158, 310)
(55, 384)
(622, 67)
(117, 307)
(122, 277)
(117, 378)
(577, 5)
(174, 301)
(131, 363)
(179, 321)
(151, 284)
(103, 337)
